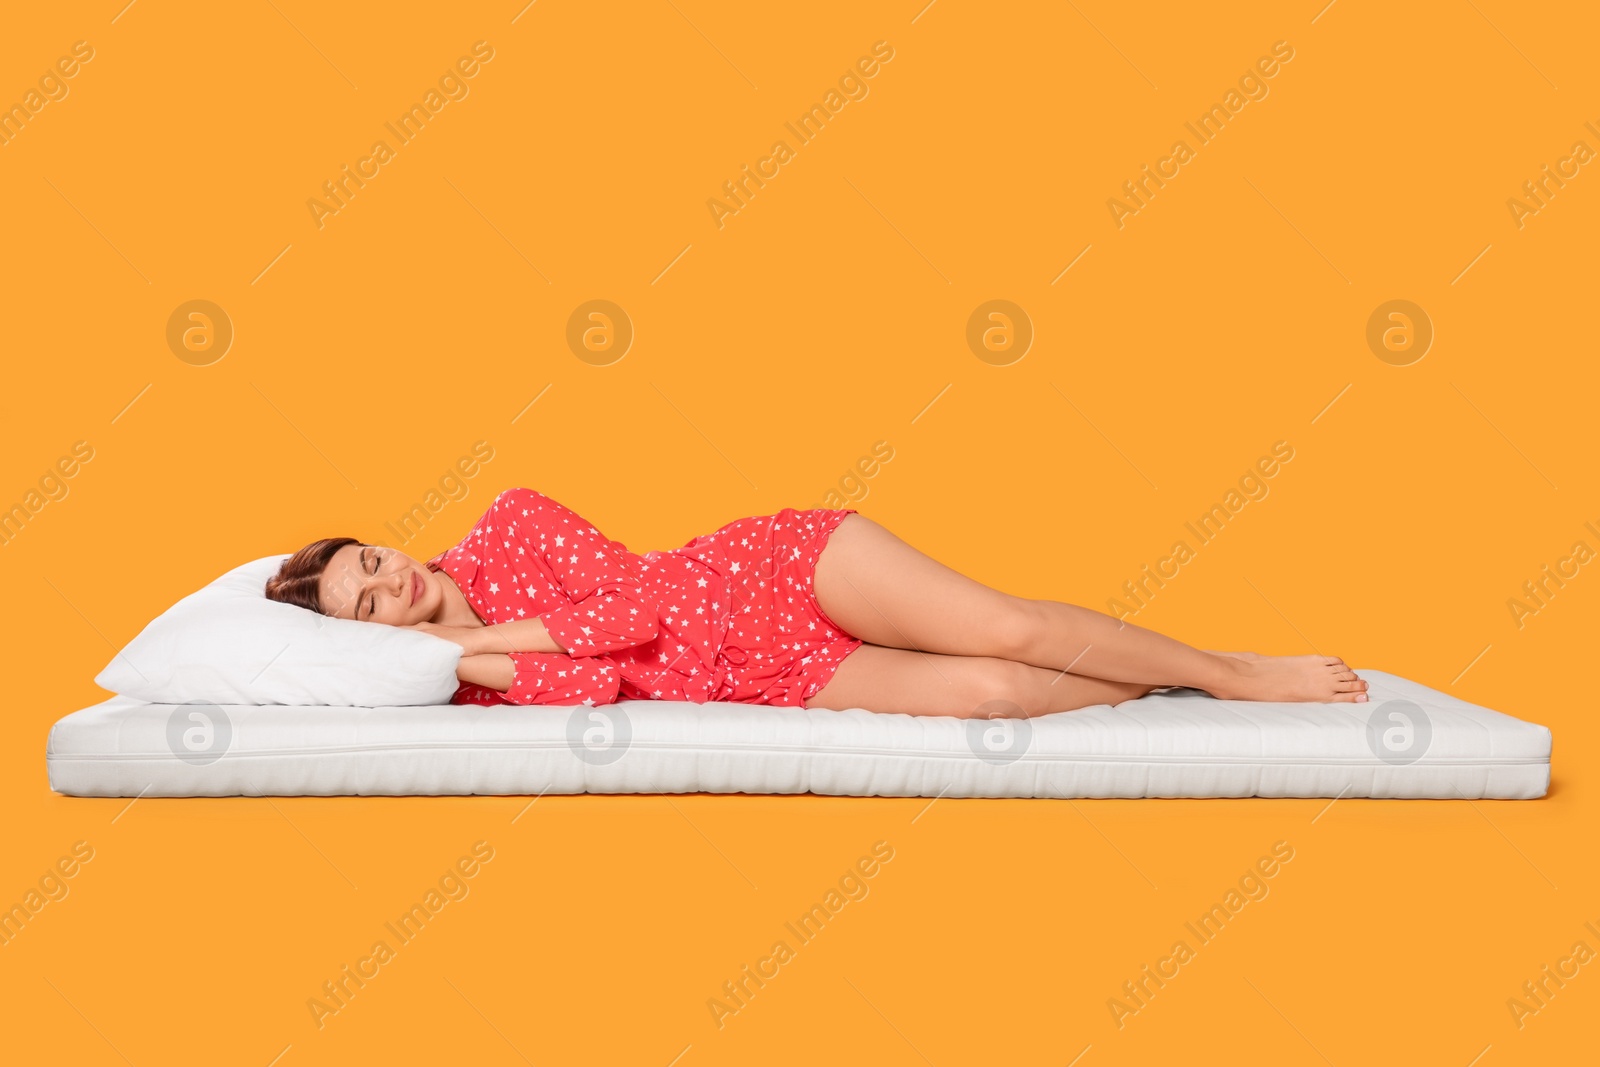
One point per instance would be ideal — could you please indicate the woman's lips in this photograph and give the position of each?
(416, 586)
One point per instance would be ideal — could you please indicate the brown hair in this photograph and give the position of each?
(298, 581)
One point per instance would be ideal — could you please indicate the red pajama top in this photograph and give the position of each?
(644, 627)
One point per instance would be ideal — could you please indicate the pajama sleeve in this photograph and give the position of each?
(609, 610)
(549, 678)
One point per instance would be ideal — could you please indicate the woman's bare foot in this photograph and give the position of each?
(1289, 679)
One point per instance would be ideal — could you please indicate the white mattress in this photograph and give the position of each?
(1172, 743)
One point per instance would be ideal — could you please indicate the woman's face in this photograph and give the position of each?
(370, 583)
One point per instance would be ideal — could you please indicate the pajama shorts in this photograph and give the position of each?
(780, 647)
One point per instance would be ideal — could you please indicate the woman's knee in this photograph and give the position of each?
(1002, 688)
(1020, 628)
(1011, 689)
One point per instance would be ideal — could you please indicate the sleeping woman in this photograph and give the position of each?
(819, 609)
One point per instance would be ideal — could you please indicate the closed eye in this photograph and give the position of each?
(372, 604)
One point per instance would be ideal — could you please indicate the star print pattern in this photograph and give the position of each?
(728, 616)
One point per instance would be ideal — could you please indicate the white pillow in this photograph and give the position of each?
(228, 644)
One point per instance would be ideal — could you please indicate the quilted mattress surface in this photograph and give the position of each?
(1408, 741)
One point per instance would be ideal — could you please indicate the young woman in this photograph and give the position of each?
(819, 609)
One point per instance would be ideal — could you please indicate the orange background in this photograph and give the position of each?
(770, 355)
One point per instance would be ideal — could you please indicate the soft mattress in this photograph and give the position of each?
(1407, 741)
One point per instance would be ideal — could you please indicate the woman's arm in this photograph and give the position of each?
(493, 671)
(609, 610)
(542, 678)
(606, 608)
(518, 635)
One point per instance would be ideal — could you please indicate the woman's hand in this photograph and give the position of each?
(468, 637)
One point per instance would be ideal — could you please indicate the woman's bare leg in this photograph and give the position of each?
(887, 593)
(922, 683)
